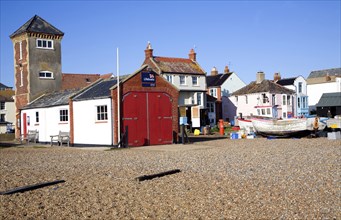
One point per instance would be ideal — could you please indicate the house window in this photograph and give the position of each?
(213, 92)
(210, 106)
(263, 111)
(246, 100)
(300, 87)
(102, 113)
(2, 118)
(45, 75)
(63, 115)
(2, 105)
(199, 98)
(37, 117)
(265, 99)
(194, 80)
(169, 78)
(20, 50)
(284, 115)
(236, 99)
(44, 44)
(288, 99)
(298, 102)
(284, 100)
(182, 80)
(258, 111)
(268, 112)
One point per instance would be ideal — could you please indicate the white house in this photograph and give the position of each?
(322, 81)
(92, 114)
(7, 109)
(48, 114)
(299, 85)
(264, 98)
(221, 86)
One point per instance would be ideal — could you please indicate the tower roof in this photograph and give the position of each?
(37, 25)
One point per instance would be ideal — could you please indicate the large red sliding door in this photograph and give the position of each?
(148, 117)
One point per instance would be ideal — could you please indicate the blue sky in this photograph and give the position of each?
(290, 37)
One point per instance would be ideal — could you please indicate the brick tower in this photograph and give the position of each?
(37, 62)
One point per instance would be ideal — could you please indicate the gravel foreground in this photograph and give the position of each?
(220, 179)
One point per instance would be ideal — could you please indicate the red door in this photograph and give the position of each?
(135, 117)
(24, 124)
(160, 119)
(148, 117)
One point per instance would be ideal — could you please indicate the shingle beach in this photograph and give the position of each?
(219, 179)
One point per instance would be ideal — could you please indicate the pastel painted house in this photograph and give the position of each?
(264, 98)
(299, 85)
(221, 86)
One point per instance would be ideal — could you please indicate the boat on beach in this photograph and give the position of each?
(291, 127)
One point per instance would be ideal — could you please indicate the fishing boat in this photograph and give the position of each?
(245, 124)
(291, 127)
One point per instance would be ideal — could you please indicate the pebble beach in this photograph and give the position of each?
(219, 179)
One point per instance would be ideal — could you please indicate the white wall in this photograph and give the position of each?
(49, 121)
(315, 91)
(87, 130)
(189, 86)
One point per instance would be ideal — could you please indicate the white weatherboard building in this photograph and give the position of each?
(92, 115)
(322, 81)
(48, 114)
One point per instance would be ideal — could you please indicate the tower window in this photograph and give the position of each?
(44, 44)
(45, 75)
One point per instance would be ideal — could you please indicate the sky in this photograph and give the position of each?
(289, 37)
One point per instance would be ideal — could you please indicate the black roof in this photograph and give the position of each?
(99, 90)
(323, 73)
(264, 86)
(37, 25)
(52, 99)
(287, 81)
(330, 99)
(217, 80)
(3, 86)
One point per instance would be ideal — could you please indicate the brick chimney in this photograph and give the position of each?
(226, 70)
(214, 71)
(192, 55)
(277, 76)
(148, 51)
(260, 77)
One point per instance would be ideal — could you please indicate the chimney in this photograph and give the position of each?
(226, 70)
(192, 55)
(148, 51)
(277, 76)
(214, 71)
(260, 77)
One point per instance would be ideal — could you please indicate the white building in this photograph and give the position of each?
(299, 85)
(7, 110)
(322, 81)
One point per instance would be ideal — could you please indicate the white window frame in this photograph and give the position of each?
(199, 98)
(46, 42)
(102, 114)
(195, 81)
(42, 75)
(182, 83)
(62, 116)
(169, 78)
(284, 100)
(37, 117)
(213, 92)
(2, 105)
(210, 106)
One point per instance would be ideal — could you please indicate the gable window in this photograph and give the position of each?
(44, 44)
(182, 80)
(213, 92)
(194, 80)
(265, 99)
(300, 87)
(236, 99)
(102, 113)
(2, 105)
(246, 100)
(169, 78)
(37, 117)
(63, 115)
(46, 74)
